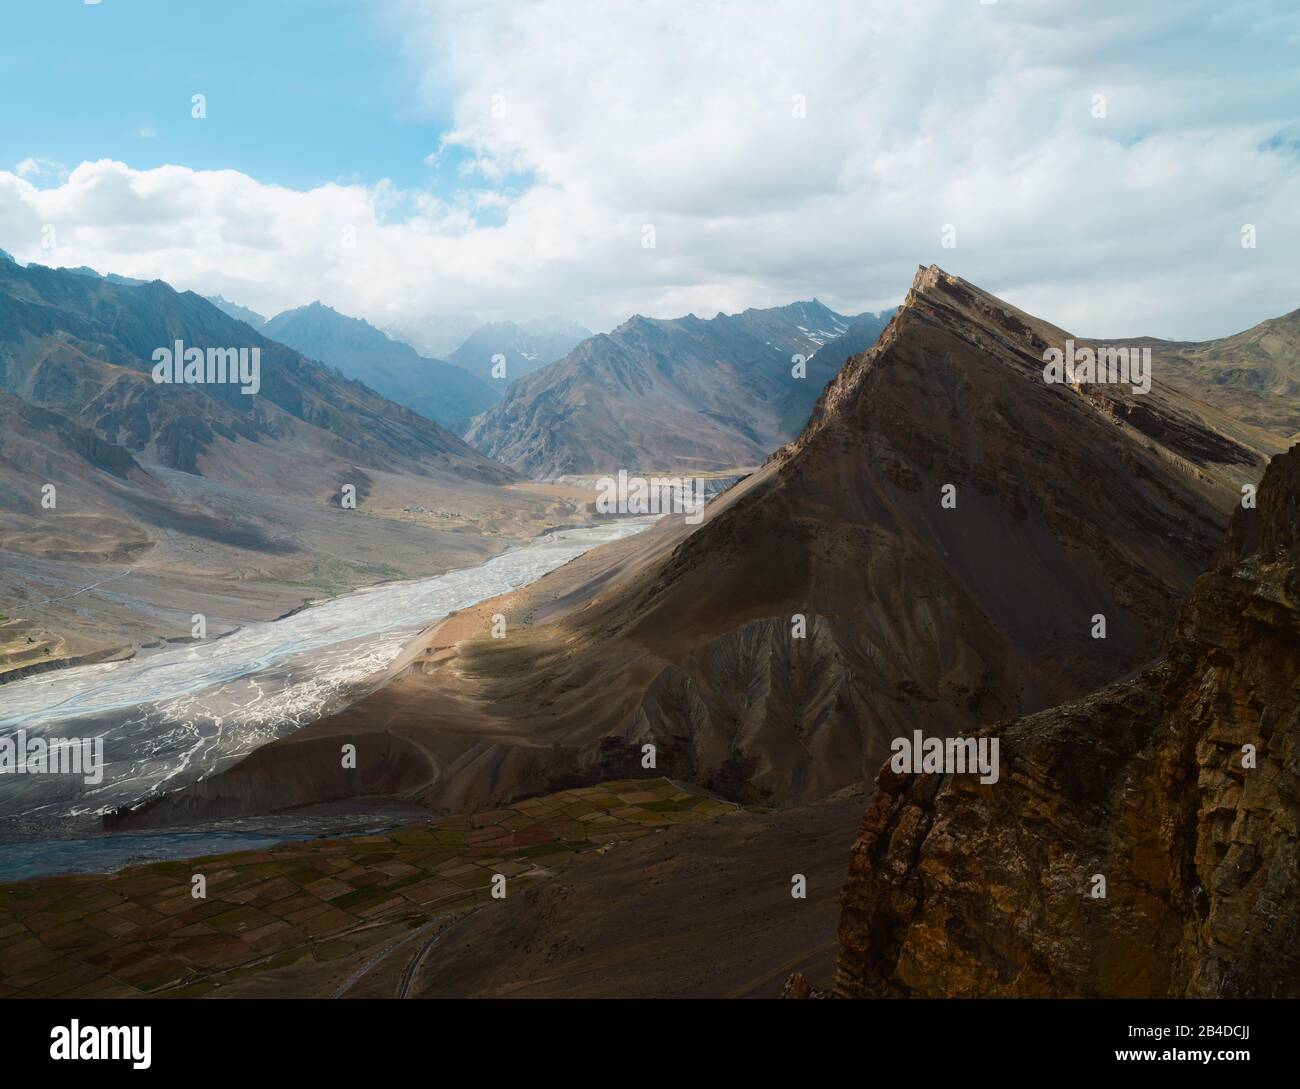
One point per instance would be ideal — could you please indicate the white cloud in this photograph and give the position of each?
(622, 114)
(36, 169)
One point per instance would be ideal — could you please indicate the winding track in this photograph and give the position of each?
(408, 975)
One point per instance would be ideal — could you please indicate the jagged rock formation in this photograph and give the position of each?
(960, 889)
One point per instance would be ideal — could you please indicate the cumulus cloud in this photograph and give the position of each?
(1096, 164)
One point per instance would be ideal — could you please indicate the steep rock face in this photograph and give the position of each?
(957, 888)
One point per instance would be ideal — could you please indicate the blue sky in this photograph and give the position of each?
(779, 149)
(299, 92)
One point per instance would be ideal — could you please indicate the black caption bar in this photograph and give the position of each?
(239, 1037)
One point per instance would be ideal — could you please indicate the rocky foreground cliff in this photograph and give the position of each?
(1178, 788)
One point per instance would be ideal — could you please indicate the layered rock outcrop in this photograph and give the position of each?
(1180, 788)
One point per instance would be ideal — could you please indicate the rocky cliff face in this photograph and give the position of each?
(1179, 787)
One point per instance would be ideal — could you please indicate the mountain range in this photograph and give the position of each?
(389, 365)
(684, 394)
(933, 551)
(241, 313)
(948, 545)
(200, 498)
(520, 349)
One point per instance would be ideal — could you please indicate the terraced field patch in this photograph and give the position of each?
(344, 902)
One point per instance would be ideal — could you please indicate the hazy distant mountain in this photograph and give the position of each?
(111, 277)
(555, 325)
(860, 335)
(431, 387)
(241, 313)
(436, 336)
(826, 361)
(525, 347)
(666, 394)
